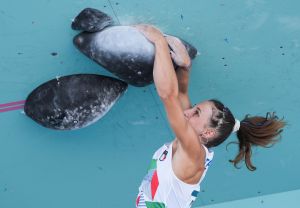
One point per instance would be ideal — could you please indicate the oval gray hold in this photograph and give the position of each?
(122, 50)
(74, 101)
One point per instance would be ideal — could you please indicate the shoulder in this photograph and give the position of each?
(183, 160)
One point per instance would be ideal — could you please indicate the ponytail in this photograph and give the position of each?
(257, 131)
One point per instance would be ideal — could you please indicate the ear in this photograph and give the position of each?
(209, 133)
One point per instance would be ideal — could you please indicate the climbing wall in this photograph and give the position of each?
(249, 59)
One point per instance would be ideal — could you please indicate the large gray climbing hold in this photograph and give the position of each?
(73, 102)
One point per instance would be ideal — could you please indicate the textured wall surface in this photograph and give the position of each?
(250, 59)
(284, 199)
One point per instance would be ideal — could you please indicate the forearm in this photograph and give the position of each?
(164, 75)
(183, 80)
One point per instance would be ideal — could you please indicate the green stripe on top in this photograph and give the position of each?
(155, 205)
(152, 165)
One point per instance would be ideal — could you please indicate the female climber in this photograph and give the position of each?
(177, 168)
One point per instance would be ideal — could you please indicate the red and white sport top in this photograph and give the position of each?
(161, 188)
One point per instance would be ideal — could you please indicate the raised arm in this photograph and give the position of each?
(181, 57)
(166, 83)
(183, 83)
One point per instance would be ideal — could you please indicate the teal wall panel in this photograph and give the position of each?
(284, 199)
(250, 59)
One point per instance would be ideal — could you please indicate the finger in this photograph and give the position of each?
(171, 44)
(173, 40)
(173, 56)
(147, 27)
(175, 44)
(142, 27)
(169, 40)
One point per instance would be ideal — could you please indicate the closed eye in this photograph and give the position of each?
(198, 111)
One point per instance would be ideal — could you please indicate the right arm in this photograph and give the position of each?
(183, 82)
(181, 57)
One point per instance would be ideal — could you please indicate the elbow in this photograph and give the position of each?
(168, 95)
(167, 90)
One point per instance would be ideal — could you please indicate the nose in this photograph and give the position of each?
(188, 113)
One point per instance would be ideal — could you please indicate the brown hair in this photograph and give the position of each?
(256, 131)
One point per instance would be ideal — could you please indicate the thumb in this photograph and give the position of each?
(173, 55)
(175, 58)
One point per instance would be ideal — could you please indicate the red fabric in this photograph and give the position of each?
(138, 200)
(154, 184)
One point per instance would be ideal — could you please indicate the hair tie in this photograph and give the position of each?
(236, 126)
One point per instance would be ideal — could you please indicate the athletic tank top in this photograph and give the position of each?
(161, 188)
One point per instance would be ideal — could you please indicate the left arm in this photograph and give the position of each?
(166, 83)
